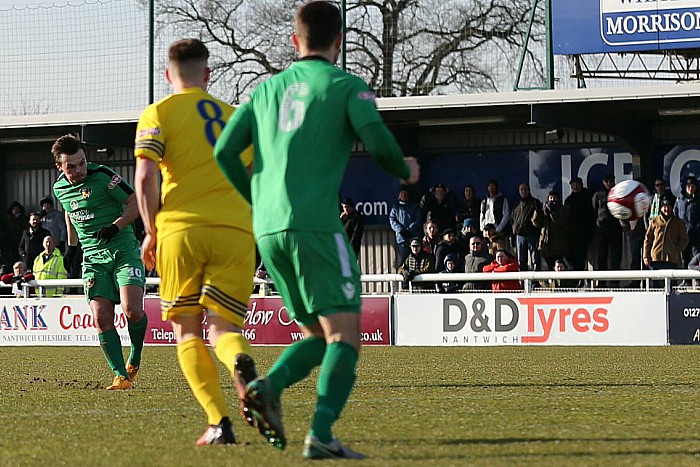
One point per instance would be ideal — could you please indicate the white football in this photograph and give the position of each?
(628, 200)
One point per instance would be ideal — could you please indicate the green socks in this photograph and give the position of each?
(296, 362)
(112, 350)
(137, 333)
(335, 383)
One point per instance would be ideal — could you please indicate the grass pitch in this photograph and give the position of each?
(432, 406)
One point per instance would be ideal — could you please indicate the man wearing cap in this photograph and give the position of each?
(687, 208)
(660, 190)
(475, 261)
(495, 209)
(608, 238)
(405, 221)
(581, 223)
(665, 239)
(353, 223)
(417, 262)
(54, 221)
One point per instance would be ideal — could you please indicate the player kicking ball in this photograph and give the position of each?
(303, 123)
(100, 208)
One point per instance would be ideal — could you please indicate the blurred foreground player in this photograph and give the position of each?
(303, 123)
(205, 259)
(99, 208)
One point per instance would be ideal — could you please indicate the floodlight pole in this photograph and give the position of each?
(151, 49)
(343, 49)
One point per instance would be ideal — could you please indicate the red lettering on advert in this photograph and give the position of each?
(543, 314)
(68, 319)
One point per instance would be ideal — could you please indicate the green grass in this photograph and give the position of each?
(431, 406)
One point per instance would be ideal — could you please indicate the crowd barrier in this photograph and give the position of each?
(655, 312)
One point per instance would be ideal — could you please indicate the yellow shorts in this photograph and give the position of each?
(206, 267)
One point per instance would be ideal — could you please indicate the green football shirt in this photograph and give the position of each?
(303, 123)
(95, 203)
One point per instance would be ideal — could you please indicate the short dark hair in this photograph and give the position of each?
(318, 24)
(66, 144)
(187, 50)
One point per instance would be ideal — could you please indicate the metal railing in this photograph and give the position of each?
(529, 279)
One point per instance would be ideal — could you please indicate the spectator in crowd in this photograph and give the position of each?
(554, 235)
(353, 223)
(54, 221)
(476, 259)
(469, 229)
(6, 251)
(687, 207)
(660, 190)
(17, 277)
(49, 265)
(17, 221)
(581, 223)
(526, 217)
(635, 231)
(31, 242)
(495, 240)
(555, 283)
(608, 235)
(495, 209)
(431, 237)
(448, 245)
(504, 262)
(451, 261)
(438, 205)
(417, 262)
(695, 266)
(665, 239)
(469, 207)
(405, 220)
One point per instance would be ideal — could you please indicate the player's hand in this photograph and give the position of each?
(107, 233)
(414, 170)
(148, 252)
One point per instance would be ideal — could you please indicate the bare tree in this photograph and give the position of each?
(400, 47)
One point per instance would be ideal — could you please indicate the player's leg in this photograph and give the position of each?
(102, 295)
(180, 266)
(332, 292)
(131, 280)
(335, 383)
(226, 288)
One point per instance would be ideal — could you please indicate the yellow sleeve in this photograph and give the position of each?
(150, 141)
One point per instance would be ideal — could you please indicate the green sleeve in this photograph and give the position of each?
(233, 140)
(383, 146)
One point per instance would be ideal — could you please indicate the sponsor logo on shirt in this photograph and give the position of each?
(115, 181)
(74, 205)
(148, 132)
(86, 192)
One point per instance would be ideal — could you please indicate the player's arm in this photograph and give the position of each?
(130, 213)
(71, 233)
(147, 192)
(387, 152)
(233, 140)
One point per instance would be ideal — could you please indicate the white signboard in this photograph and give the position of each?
(55, 321)
(516, 319)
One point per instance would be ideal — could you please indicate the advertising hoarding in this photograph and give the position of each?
(547, 319)
(684, 318)
(69, 322)
(603, 26)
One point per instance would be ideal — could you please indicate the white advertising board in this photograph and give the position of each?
(514, 319)
(55, 321)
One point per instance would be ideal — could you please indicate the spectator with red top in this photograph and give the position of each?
(504, 263)
(17, 277)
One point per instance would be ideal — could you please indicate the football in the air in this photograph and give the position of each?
(628, 200)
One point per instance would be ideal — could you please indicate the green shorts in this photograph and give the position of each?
(106, 271)
(315, 272)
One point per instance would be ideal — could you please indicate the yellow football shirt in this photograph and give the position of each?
(178, 133)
